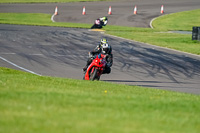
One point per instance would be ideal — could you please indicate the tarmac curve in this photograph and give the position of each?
(62, 52)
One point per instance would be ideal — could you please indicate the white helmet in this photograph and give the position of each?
(105, 48)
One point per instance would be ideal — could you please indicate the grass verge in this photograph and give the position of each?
(36, 19)
(183, 21)
(31, 103)
(157, 36)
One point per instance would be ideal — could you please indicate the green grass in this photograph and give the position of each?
(44, 1)
(178, 21)
(36, 19)
(31, 103)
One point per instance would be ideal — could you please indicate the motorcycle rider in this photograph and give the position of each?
(104, 20)
(100, 22)
(105, 49)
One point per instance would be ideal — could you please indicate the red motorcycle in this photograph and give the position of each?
(95, 69)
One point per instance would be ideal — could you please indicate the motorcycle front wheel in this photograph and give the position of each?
(93, 74)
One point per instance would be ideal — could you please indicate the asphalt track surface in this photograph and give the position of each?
(122, 10)
(62, 52)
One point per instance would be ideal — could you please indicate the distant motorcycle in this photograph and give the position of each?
(99, 23)
(95, 69)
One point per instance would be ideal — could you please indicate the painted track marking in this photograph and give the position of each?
(19, 66)
(52, 18)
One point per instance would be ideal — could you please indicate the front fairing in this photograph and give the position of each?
(98, 63)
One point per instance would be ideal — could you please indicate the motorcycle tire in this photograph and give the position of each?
(93, 27)
(98, 78)
(96, 26)
(93, 75)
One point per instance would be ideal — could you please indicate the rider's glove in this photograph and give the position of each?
(90, 55)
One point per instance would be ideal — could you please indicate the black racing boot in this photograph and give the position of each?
(89, 61)
(85, 68)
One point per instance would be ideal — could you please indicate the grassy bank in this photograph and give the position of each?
(30, 103)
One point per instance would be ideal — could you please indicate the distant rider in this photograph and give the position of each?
(102, 48)
(100, 22)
